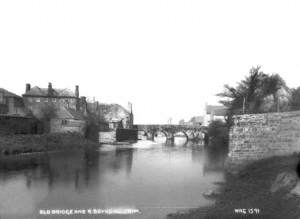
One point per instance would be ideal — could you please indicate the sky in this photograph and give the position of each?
(167, 57)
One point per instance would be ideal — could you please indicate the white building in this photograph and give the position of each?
(214, 112)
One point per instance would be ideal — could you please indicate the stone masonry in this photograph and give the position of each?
(259, 136)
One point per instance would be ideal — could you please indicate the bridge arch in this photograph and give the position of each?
(183, 132)
(143, 132)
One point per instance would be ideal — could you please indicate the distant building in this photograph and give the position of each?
(197, 120)
(116, 124)
(114, 116)
(214, 112)
(194, 121)
(67, 108)
(11, 104)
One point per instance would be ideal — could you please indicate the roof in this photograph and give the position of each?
(216, 110)
(37, 91)
(113, 112)
(8, 93)
(68, 113)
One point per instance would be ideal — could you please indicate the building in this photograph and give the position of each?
(116, 124)
(63, 109)
(36, 96)
(68, 120)
(11, 104)
(14, 118)
(214, 112)
(114, 116)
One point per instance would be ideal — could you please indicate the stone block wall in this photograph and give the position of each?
(259, 136)
(126, 135)
(107, 136)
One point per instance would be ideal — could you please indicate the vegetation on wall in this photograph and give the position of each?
(20, 144)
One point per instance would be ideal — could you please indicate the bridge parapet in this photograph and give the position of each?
(191, 132)
(143, 127)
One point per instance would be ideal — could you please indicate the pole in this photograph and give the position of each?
(244, 103)
(277, 103)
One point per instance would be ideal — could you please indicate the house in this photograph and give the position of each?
(62, 109)
(14, 118)
(61, 97)
(116, 124)
(214, 112)
(11, 104)
(67, 120)
(194, 121)
(112, 116)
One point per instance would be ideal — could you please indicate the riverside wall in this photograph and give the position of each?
(258, 136)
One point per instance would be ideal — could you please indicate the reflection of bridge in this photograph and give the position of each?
(171, 131)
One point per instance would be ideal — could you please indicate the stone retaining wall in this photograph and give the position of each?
(259, 136)
(107, 136)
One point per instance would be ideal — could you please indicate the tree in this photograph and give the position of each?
(218, 132)
(48, 111)
(273, 86)
(250, 94)
(295, 99)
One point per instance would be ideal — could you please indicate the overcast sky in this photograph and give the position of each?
(167, 57)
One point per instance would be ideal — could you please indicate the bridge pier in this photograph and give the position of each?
(171, 137)
(150, 135)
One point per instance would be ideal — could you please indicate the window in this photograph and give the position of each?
(64, 122)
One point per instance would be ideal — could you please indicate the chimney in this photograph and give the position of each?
(83, 106)
(28, 87)
(50, 90)
(77, 91)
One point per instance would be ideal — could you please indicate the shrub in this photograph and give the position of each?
(218, 133)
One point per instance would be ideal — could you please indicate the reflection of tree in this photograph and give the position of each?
(28, 179)
(197, 155)
(123, 159)
(71, 168)
(91, 165)
(214, 160)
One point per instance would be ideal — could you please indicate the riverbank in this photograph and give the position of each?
(250, 189)
(24, 144)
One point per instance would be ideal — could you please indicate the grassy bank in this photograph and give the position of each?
(18, 144)
(251, 189)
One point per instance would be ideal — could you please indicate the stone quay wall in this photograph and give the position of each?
(259, 136)
(107, 136)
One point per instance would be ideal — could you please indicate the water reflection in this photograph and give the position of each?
(147, 176)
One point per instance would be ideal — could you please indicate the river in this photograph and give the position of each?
(153, 177)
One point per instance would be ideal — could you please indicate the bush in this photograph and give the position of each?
(218, 133)
(17, 144)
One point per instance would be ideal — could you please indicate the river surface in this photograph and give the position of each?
(153, 177)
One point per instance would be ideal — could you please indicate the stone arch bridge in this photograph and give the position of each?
(192, 133)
